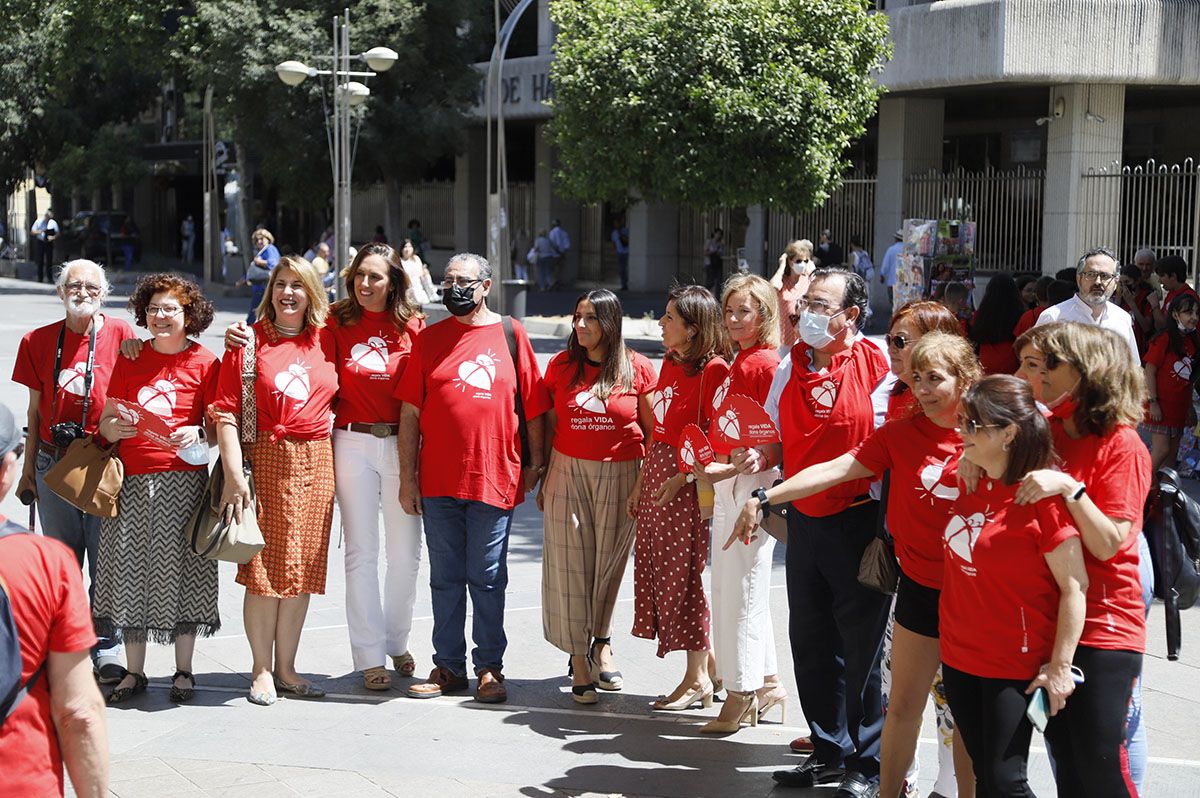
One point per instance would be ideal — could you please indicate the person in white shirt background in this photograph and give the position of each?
(1096, 277)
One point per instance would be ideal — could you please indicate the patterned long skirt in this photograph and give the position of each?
(668, 560)
(149, 584)
(293, 481)
(588, 535)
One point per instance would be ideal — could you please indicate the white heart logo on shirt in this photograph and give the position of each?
(128, 414)
(825, 394)
(961, 534)
(662, 402)
(158, 398)
(479, 373)
(72, 379)
(722, 392)
(931, 479)
(293, 383)
(371, 356)
(687, 454)
(1183, 368)
(729, 426)
(586, 400)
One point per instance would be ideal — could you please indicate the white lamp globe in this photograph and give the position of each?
(380, 59)
(293, 73)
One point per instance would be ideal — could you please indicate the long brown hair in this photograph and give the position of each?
(1006, 400)
(1112, 390)
(348, 311)
(616, 370)
(698, 309)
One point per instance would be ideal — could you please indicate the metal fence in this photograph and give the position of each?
(1152, 205)
(849, 211)
(1007, 208)
(432, 203)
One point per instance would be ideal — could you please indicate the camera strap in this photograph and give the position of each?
(87, 376)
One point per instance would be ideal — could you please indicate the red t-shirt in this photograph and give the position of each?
(824, 414)
(1116, 470)
(1027, 322)
(1142, 300)
(750, 374)
(463, 381)
(51, 611)
(177, 388)
(678, 401)
(999, 604)
(296, 381)
(923, 459)
(787, 306)
(902, 405)
(1170, 297)
(35, 366)
(591, 429)
(1173, 380)
(371, 355)
(998, 358)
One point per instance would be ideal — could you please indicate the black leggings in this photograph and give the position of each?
(1087, 739)
(990, 716)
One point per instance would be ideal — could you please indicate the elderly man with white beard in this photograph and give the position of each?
(66, 366)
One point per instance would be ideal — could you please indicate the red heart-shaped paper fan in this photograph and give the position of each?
(693, 448)
(743, 422)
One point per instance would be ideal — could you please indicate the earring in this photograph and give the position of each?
(1005, 446)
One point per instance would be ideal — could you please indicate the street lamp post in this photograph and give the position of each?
(347, 94)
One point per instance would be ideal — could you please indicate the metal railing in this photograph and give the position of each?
(1151, 205)
(849, 211)
(432, 203)
(1007, 208)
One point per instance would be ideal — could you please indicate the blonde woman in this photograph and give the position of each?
(790, 282)
(291, 461)
(743, 639)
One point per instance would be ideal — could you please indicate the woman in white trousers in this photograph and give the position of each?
(743, 636)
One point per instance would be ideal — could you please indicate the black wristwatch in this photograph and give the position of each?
(763, 504)
(1077, 494)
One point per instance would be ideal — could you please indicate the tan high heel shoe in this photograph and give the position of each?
(703, 694)
(777, 696)
(747, 714)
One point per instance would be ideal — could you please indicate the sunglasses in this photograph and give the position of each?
(970, 426)
(898, 341)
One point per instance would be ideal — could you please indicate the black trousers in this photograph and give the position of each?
(990, 716)
(836, 628)
(1087, 739)
(45, 261)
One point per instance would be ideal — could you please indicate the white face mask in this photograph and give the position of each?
(814, 328)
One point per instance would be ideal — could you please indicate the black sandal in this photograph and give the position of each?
(605, 680)
(181, 695)
(125, 693)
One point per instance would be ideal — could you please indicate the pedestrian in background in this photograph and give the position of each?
(66, 365)
(266, 258)
(44, 231)
(416, 273)
(187, 238)
(1170, 377)
(563, 265)
(150, 585)
(546, 261)
(714, 259)
(620, 242)
(991, 328)
(790, 281)
(595, 438)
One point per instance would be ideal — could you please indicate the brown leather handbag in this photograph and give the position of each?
(88, 477)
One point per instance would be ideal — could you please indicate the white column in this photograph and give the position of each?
(1076, 142)
(653, 245)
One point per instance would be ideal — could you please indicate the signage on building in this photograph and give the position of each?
(525, 87)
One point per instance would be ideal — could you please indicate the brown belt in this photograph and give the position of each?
(863, 499)
(51, 449)
(378, 430)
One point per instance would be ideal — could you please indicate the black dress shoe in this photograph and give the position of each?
(109, 673)
(855, 785)
(809, 773)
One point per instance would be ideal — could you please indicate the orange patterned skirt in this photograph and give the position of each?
(293, 482)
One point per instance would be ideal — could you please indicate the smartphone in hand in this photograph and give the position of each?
(1038, 710)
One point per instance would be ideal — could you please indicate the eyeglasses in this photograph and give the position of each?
(816, 306)
(461, 282)
(1101, 277)
(76, 286)
(1051, 361)
(166, 311)
(898, 341)
(969, 426)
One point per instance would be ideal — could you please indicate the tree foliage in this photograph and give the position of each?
(712, 102)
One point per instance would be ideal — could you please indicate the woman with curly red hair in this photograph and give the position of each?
(149, 583)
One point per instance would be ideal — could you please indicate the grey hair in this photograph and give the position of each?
(60, 282)
(485, 268)
(1146, 251)
(1091, 253)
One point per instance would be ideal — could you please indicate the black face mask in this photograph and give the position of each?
(460, 300)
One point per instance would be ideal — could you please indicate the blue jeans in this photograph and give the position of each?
(1135, 733)
(81, 534)
(257, 290)
(468, 550)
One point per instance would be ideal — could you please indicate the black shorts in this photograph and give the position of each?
(917, 607)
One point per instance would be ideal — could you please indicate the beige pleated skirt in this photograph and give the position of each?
(588, 537)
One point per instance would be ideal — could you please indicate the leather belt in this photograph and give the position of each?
(863, 499)
(378, 430)
(51, 449)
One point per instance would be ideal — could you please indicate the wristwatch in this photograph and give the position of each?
(1077, 494)
(763, 504)
(689, 478)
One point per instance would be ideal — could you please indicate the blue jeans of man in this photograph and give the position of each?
(468, 552)
(81, 534)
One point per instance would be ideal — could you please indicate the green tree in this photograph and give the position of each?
(712, 102)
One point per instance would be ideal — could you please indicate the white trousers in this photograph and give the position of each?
(743, 637)
(368, 479)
